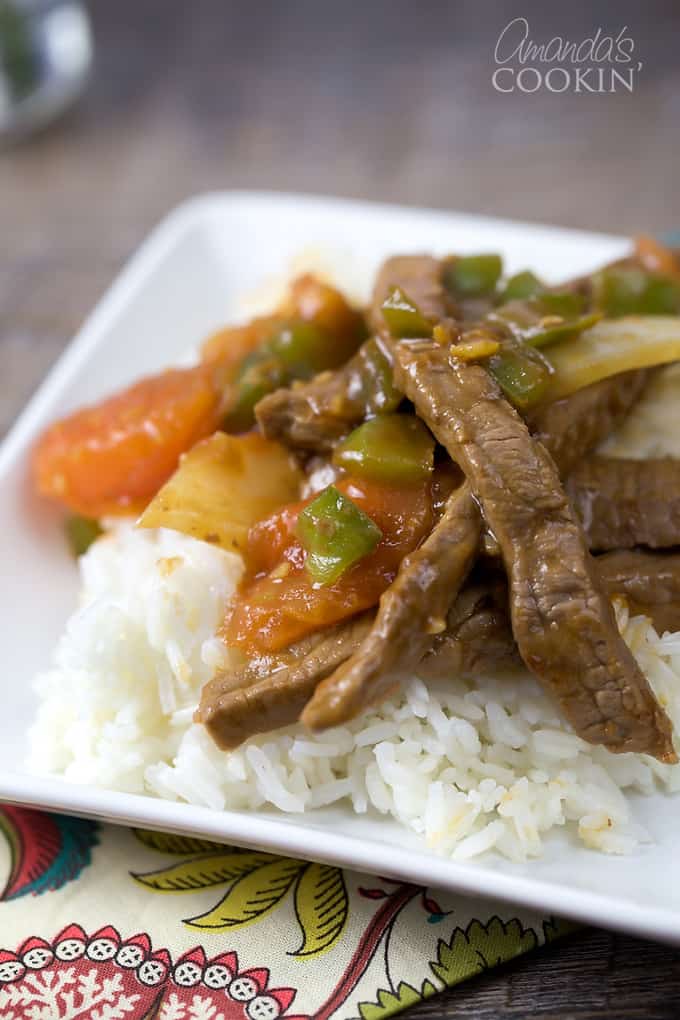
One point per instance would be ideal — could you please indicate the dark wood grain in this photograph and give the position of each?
(389, 100)
(591, 975)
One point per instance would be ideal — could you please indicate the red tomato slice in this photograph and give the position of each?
(113, 457)
(279, 603)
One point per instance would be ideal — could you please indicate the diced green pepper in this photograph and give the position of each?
(523, 375)
(295, 349)
(303, 348)
(403, 317)
(544, 334)
(520, 287)
(389, 448)
(628, 290)
(81, 533)
(662, 297)
(473, 275)
(619, 291)
(376, 380)
(538, 322)
(335, 534)
(567, 303)
(261, 373)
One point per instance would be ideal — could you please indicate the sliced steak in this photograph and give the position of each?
(624, 503)
(420, 277)
(412, 609)
(478, 635)
(314, 415)
(237, 704)
(571, 427)
(268, 692)
(562, 621)
(649, 581)
(430, 578)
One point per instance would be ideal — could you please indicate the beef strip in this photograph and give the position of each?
(420, 277)
(412, 609)
(624, 503)
(269, 693)
(621, 504)
(649, 581)
(315, 415)
(478, 634)
(431, 577)
(569, 428)
(562, 621)
(610, 702)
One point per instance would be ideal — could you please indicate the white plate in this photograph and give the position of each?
(186, 280)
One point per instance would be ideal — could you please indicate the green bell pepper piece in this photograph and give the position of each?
(662, 297)
(520, 287)
(389, 448)
(522, 374)
(403, 317)
(543, 320)
(628, 290)
(542, 335)
(335, 534)
(260, 373)
(473, 275)
(567, 303)
(376, 380)
(81, 533)
(303, 348)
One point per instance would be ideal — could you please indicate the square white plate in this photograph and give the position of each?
(185, 281)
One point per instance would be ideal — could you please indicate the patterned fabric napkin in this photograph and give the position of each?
(99, 922)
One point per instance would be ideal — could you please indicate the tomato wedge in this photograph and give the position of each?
(229, 346)
(279, 603)
(113, 457)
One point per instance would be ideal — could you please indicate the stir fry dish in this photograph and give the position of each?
(415, 487)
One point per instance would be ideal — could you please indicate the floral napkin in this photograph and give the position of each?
(99, 922)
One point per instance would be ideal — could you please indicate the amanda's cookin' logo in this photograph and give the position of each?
(599, 63)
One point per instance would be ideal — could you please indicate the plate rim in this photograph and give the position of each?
(286, 838)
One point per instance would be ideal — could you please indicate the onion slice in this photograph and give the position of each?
(610, 347)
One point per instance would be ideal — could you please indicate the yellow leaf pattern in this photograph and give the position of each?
(253, 896)
(202, 872)
(321, 905)
(258, 883)
(173, 843)
(314, 907)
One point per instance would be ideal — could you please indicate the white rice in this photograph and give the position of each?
(470, 765)
(652, 430)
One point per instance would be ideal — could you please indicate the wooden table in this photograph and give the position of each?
(387, 100)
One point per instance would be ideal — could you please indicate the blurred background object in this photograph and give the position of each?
(45, 56)
(390, 100)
